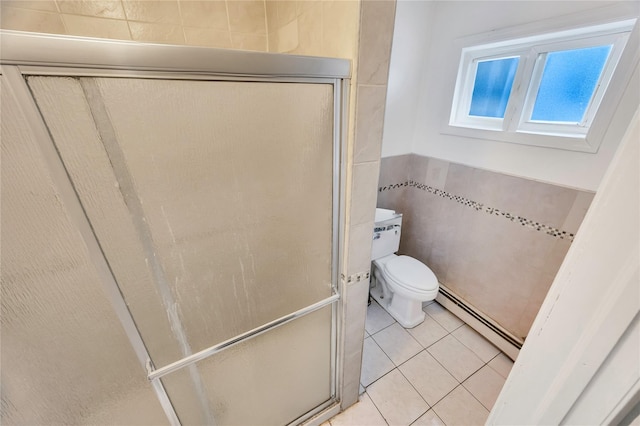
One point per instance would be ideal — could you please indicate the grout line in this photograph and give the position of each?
(491, 367)
(425, 349)
(414, 388)
(376, 407)
(184, 34)
(470, 348)
(434, 413)
(383, 328)
(474, 397)
(266, 24)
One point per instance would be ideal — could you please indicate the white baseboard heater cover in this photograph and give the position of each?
(501, 338)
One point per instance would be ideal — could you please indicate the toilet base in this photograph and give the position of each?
(407, 312)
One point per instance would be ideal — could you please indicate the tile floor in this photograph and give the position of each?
(439, 373)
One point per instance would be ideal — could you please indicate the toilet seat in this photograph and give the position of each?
(410, 274)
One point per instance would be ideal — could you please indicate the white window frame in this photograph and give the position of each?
(516, 126)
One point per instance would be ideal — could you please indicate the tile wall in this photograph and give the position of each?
(316, 28)
(495, 240)
(219, 23)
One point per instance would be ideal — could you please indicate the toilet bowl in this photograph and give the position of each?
(399, 283)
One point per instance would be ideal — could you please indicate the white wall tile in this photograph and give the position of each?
(96, 27)
(364, 192)
(12, 18)
(97, 8)
(370, 106)
(376, 33)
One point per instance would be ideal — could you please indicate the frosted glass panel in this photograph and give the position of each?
(66, 111)
(269, 380)
(212, 202)
(569, 79)
(65, 357)
(234, 181)
(492, 87)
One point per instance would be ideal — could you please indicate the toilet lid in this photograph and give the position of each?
(411, 273)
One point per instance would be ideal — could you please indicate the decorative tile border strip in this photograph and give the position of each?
(549, 230)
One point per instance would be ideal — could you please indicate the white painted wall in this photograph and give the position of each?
(423, 73)
(411, 39)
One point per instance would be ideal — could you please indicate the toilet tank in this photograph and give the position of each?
(386, 233)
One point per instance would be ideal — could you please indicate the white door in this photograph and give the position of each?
(580, 363)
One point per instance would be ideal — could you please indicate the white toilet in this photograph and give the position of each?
(398, 283)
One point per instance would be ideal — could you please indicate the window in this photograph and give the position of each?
(549, 85)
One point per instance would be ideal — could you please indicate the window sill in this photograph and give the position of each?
(578, 143)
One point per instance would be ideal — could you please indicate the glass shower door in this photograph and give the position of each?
(213, 203)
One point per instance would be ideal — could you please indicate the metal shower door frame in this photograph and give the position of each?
(25, 54)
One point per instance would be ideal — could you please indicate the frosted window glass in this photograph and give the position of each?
(65, 357)
(271, 379)
(569, 80)
(492, 87)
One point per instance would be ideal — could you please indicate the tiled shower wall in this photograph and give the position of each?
(220, 23)
(319, 28)
(311, 27)
(496, 240)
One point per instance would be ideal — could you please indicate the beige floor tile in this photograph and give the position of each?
(428, 332)
(377, 318)
(445, 318)
(461, 408)
(459, 360)
(429, 378)
(502, 364)
(478, 344)
(397, 343)
(396, 399)
(361, 413)
(375, 363)
(430, 418)
(485, 385)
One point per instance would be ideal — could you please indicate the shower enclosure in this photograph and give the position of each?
(170, 233)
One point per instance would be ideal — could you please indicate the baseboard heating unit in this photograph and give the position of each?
(501, 338)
